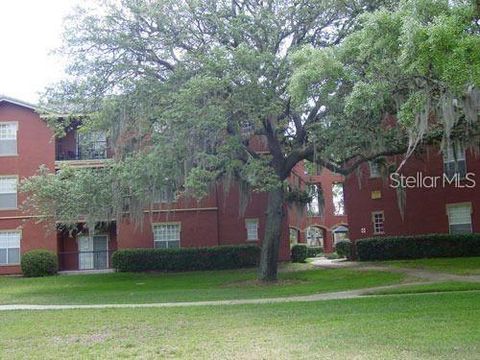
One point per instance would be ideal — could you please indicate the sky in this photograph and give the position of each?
(29, 30)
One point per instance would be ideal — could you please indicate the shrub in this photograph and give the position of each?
(313, 251)
(299, 253)
(185, 259)
(416, 247)
(344, 249)
(37, 263)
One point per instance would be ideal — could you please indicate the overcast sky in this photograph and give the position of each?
(29, 30)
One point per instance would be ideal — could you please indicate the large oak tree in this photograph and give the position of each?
(184, 86)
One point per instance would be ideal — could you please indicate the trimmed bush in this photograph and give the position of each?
(38, 263)
(185, 259)
(344, 249)
(299, 253)
(417, 247)
(313, 251)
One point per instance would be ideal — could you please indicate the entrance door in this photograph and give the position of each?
(93, 252)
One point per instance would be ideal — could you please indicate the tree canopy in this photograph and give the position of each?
(185, 87)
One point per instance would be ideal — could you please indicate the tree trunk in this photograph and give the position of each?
(267, 270)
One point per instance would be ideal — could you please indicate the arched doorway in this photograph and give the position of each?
(294, 236)
(340, 233)
(315, 236)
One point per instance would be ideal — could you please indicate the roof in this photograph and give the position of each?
(11, 100)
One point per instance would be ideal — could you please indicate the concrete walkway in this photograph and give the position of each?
(339, 295)
(423, 277)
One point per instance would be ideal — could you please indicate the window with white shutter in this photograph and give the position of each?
(8, 138)
(8, 192)
(459, 218)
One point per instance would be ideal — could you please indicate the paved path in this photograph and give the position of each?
(425, 277)
(339, 295)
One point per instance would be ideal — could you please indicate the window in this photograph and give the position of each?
(252, 229)
(459, 218)
(374, 169)
(313, 208)
(164, 195)
(92, 145)
(166, 236)
(378, 220)
(8, 192)
(10, 247)
(338, 203)
(454, 161)
(8, 138)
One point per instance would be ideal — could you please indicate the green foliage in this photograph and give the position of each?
(314, 251)
(38, 263)
(186, 259)
(299, 253)
(417, 247)
(344, 249)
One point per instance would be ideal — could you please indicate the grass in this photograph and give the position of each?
(194, 286)
(433, 326)
(457, 266)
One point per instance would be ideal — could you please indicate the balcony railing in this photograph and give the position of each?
(85, 260)
(95, 151)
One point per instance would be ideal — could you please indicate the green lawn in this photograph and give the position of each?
(459, 266)
(194, 286)
(428, 326)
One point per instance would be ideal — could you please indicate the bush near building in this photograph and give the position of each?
(418, 246)
(185, 259)
(344, 249)
(37, 263)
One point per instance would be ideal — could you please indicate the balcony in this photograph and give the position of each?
(82, 149)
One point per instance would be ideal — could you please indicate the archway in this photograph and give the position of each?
(315, 236)
(294, 234)
(340, 233)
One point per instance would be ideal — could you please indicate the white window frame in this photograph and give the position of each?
(459, 205)
(16, 191)
(167, 241)
(252, 235)
(9, 123)
(374, 169)
(12, 247)
(455, 157)
(376, 225)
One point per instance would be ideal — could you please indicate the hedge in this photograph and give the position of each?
(417, 247)
(314, 251)
(344, 249)
(299, 253)
(185, 259)
(38, 263)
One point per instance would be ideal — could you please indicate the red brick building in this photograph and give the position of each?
(26, 143)
(430, 206)
(316, 227)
